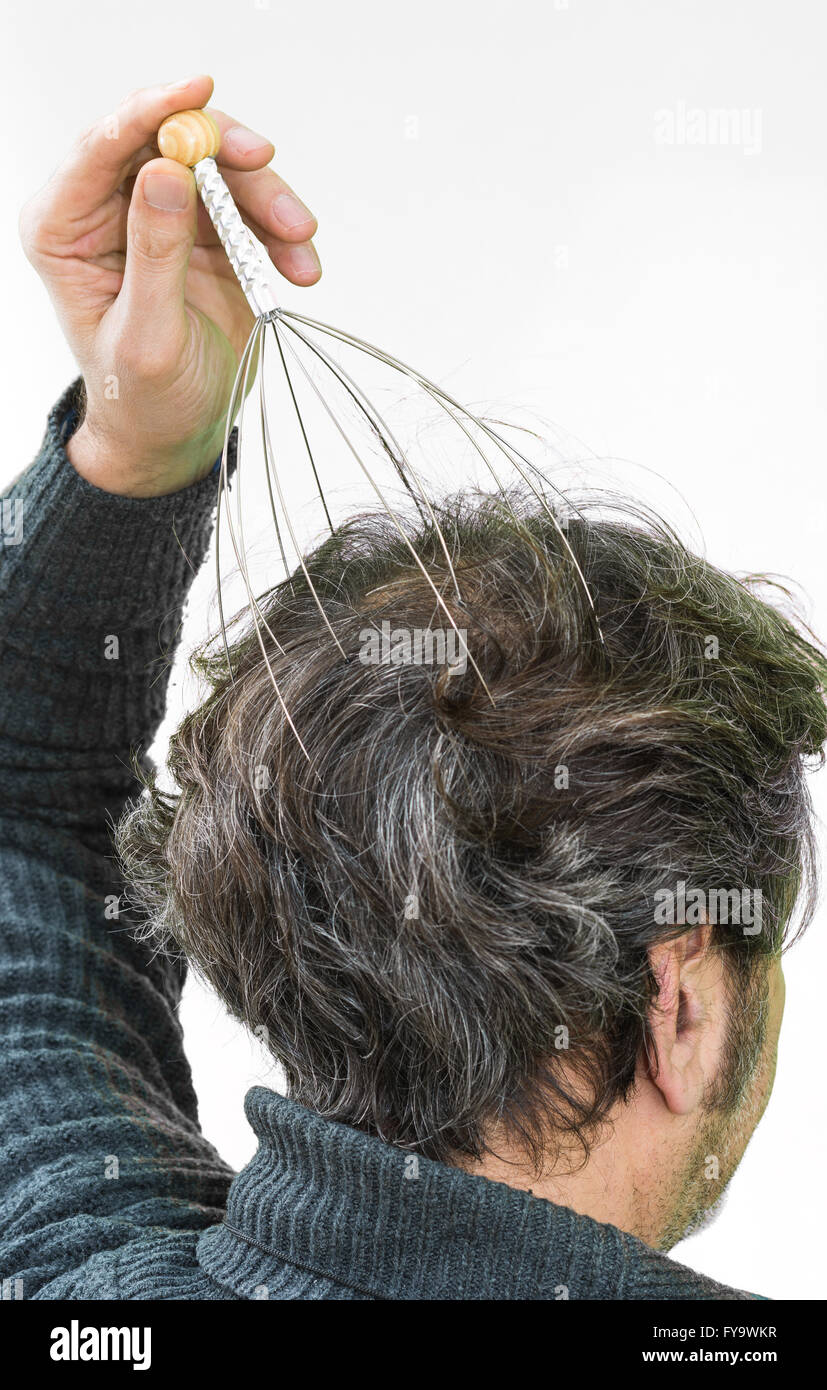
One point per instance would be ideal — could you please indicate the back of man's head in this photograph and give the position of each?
(437, 884)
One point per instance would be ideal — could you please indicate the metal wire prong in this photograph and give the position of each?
(223, 488)
(445, 399)
(238, 543)
(271, 467)
(258, 617)
(394, 519)
(269, 482)
(384, 434)
(302, 428)
(379, 424)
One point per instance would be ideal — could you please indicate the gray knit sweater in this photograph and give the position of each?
(108, 1189)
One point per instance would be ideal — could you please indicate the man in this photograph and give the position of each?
(513, 930)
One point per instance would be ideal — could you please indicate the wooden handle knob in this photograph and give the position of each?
(189, 136)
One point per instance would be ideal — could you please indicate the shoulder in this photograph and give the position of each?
(652, 1275)
(159, 1265)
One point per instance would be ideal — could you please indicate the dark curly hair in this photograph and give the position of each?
(442, 919)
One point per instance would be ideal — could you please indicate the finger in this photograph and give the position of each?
(160, 235)
(264, 197)
(297, 262)
(241, 148)
(103, 157)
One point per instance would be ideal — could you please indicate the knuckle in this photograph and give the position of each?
(145, 358)
(154, 248)
(87, 138)
(89, 141)
(28, 226)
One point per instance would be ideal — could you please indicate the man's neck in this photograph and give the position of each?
(626, 1180)
(596, 1189)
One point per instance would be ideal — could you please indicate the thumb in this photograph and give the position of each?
(160, 234)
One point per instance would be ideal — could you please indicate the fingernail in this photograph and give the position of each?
(290, 211)
(244, 141)
(303, 259)
(165, 191)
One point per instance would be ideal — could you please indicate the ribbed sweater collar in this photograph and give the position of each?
(354, 1212)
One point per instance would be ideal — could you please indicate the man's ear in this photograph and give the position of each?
(681, 1054)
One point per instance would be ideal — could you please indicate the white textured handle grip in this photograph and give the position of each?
(242, 251)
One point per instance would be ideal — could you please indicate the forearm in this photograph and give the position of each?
(91, 1056)
(92, 588)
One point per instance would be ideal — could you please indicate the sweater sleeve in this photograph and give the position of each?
(99, 1134)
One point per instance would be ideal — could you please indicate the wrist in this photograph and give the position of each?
(114, 466)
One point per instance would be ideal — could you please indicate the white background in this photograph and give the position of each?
(496, 207)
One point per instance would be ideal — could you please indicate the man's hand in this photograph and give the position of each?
(144, 292)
